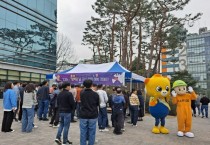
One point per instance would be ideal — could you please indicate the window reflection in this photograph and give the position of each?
(25, 42)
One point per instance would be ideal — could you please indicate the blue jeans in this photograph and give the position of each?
(65, 119)
(102, 118)
(78, 109)
(43, 108)
(134, 114)
(27, 119)
(87, 130)
(204, 107)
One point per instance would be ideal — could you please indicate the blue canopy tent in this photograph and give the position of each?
(112, 67)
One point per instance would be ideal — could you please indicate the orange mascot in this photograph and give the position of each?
(183, 101)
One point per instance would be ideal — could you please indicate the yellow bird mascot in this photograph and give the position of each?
(182, 99)
(158, 89)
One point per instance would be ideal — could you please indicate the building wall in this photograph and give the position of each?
(173, 60)
(28, 32)
(198, 59)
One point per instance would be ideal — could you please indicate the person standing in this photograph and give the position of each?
(111, 102)
(17, 94)
(78, 89)
(52, 89)
(88, 113)
(198, 104)
(54, 104)
(65, 105)
(118, 103)
(22, 87)
(193, 108)
(74, 93)
(29, 100)
(134, 106)
(43, 98)
(141, 106)
(9, 105)
(204, 106)
(102, 117)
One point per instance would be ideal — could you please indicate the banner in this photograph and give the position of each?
(110, 78)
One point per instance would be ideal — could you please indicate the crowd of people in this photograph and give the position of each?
(200, 106)
(65, 103)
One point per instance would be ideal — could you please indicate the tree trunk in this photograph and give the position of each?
(139, 49)
(112, 42)
(121, 43)
(131, 49)
(125, 45)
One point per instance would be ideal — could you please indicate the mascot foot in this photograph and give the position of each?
(155, 130)
(163, 130)
(189, 134)
(180, 134)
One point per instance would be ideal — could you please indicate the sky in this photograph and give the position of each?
(73, 14)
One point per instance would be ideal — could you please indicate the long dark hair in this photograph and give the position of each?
(8, 86)
(30, 88)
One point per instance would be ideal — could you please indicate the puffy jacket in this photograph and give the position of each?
(9, 100)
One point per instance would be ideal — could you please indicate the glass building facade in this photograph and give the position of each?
(28, 32)
(198, 59)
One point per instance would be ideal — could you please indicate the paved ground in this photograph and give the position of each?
(140, 135)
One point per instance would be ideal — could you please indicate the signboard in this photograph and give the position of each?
(110, 78)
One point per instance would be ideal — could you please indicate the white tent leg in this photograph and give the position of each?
(131, 85)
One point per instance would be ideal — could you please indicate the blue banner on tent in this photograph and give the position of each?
(110, 78)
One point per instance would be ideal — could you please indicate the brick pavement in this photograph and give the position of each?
(140, 135)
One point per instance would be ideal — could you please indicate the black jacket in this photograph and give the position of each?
(43, 93)
(205, 101)
(65, 101)
(89, 104)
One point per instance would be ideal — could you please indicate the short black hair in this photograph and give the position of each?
(15, 82)
(88, 83)
(44, 82)
(139, 92)
(72, 85)
(65, 84)
(54, 85)
(24, 85)
(100, 86)
(118, 90)
(94, 85)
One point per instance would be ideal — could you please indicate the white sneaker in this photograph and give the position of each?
(189, 134)
(123, 129)
(100, 130)
(103, 130)
(12, 130)
(180, 134)
(35, 126)
(96, 141)
(56, 126)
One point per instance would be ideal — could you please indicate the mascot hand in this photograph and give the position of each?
(173, 93)
(190, 89)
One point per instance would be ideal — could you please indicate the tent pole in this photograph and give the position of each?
(131, 85)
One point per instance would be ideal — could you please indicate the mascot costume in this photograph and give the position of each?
(184, 112)
(158, 89)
